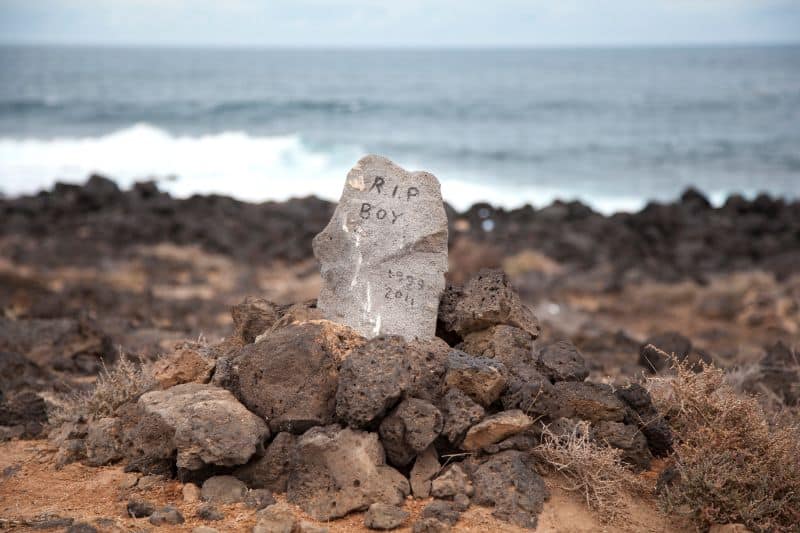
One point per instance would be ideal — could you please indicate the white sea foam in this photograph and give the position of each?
(240, 165)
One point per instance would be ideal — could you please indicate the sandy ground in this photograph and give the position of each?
(33, 491)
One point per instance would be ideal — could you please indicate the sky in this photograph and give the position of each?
(399, 23)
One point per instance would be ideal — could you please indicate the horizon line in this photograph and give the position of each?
(398, 47)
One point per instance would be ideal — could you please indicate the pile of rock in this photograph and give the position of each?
(297, 404)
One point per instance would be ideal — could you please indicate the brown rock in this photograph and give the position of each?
(460, 412)
(409, 430)
(561, 361)
(375, 376)
(290, 376)
(589, 401)
(450, 483)
(270, 471)
(426, 466)
(336, 471)
(187, 364)
(626, 438)
(252, 317)
(202, 424)
(508, 481)
(487, 300)
(480, 378)
(495, 428)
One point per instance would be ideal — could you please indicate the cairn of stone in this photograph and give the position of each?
(313, 401)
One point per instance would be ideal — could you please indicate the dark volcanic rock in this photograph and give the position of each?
(460, 412)
(669, 342)
(270, 471)
(509, 482)
(290, 376)
(426, 466)
(17, 373)
(60, 344)
(780, 372)
(527, 388)
(140, 508)
(336, 471)
(376, 375)
(561, 361)
(643, 414)
(531, 392)
(25, 410)
(627, 438)
(480, 378)
(506, 344)
(486, 300)
(589, 401)
(442, 511)
(409, 429)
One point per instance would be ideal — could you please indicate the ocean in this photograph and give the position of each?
(614, 128)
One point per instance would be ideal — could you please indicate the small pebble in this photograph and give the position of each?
(209, 512)
(166, 515)
(191, 493)
(140, 508)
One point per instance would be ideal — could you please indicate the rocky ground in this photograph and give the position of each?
(91, 275)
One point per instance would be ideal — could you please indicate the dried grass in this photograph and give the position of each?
(115, 386)
(733, 464)
(596, 472)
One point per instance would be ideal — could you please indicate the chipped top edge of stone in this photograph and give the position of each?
(386, 161)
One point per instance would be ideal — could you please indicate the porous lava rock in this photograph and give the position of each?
(290, 376)
(561, 361)
(486, 300)
(271, 470)
(187, 364)
(627, 438)
(409, 429)
(508, 482)
(426, 466)
(642, 413)
(460, 413)
(335, 471)
(589, 401)
(199, 424)
(480, 378)
(377, 374)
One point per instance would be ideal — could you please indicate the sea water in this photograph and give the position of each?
(614, 128)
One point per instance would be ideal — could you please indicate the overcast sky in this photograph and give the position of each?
(399, 22)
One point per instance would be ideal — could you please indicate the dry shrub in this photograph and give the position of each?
(732, 465)
(115, 386)
(596, 472)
